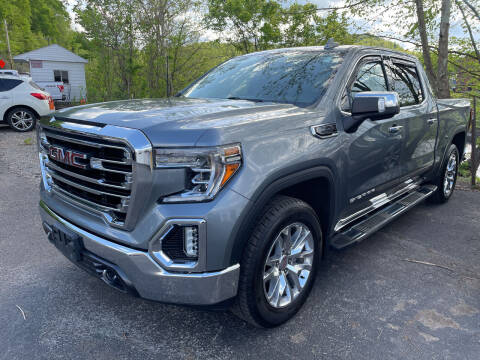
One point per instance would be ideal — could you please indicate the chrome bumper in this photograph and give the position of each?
(148, 278)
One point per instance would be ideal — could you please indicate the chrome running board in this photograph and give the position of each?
(380, 218)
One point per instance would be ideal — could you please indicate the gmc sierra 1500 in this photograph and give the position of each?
(232, 191)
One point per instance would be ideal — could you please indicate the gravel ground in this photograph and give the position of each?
(369, 302)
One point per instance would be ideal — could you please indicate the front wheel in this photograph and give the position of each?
(279, 263)
(448, 177)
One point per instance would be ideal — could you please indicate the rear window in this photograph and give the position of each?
(406, 83)
(9, 84)
(34, 85)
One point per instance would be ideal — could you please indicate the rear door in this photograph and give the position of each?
(418, 115)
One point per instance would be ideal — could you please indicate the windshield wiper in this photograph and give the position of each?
(239, 98)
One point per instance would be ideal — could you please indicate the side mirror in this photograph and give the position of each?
(372, 105)
(375, 105)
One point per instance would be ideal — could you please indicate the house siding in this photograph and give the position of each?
(76, 76)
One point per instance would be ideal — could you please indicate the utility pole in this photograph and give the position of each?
(8, 44)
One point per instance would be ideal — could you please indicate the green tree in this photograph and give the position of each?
(250, 25)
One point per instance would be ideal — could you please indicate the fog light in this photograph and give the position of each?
(191, 241)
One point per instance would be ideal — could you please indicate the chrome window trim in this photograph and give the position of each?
(383, 58)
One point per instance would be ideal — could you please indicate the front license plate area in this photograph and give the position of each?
(71, 245)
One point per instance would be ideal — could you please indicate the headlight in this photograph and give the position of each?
(207, 169)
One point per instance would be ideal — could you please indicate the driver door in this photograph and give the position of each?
(373, 150)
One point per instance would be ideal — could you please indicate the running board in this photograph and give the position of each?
(382, 217)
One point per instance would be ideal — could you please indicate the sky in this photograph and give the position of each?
(380, 24)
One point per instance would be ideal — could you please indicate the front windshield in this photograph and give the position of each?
(294, 77)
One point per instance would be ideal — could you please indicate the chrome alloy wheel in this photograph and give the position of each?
(21, 120)
(450, 174)
(288, 265)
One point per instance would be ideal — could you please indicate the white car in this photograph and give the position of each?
(22, 102)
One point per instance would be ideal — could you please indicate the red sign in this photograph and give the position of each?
(2, 63)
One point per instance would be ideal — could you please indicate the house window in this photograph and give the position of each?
(36, 64)
(61, 75)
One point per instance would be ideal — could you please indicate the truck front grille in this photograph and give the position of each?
(101, 182)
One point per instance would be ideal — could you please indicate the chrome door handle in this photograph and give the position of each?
(431, 121)
(395, 129)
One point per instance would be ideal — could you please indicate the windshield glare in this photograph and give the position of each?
(295, 77)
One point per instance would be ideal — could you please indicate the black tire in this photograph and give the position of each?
(251, 303)
(441, 195)
(22, 119)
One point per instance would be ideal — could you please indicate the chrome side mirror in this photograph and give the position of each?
(375, 105)
(372, 105)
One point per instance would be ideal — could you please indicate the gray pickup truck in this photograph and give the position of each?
(231, 192)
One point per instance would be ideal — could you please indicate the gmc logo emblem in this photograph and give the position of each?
(68, 157)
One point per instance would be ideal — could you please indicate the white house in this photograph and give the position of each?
(55, 63)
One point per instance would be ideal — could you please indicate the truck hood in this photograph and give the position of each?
(178, 121)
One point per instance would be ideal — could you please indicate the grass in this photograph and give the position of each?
(465, 173)
(28, 141)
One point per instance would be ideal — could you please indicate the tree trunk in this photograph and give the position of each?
(443, 81)
(425, 46)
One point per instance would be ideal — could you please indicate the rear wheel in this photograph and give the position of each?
(280, 262)
(21, 119)
(448, 177)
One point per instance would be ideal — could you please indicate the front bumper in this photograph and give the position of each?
(145, 277)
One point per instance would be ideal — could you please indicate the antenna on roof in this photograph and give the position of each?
(330, 44)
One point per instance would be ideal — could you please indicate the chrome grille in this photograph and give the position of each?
(104, 185)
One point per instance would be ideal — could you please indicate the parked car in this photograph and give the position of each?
(56, 89)
(232, 192)
(9, 72)
(22, 102)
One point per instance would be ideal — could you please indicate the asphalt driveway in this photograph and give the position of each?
(411, 291)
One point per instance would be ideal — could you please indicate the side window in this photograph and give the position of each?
(9, 84)
(61, 75)
(406, 83)
(370, 77)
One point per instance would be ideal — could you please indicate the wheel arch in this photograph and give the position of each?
(459, 139)
(10, 109)
(308, 185)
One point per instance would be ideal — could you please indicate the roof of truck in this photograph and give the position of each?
(341, 48)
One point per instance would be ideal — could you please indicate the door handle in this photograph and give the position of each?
(395, 129)
(431, 121)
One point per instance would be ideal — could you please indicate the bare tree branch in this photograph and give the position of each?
(475, 11)
(467, 24)
(417, 44)
(349, 6)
